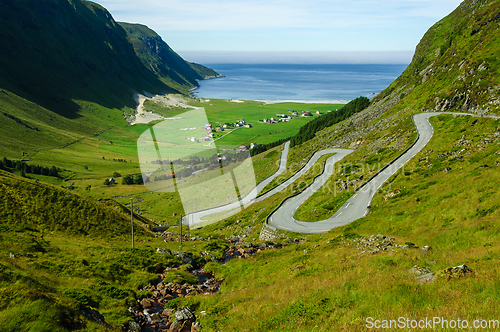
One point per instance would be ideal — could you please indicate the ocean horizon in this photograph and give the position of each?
(298, 82)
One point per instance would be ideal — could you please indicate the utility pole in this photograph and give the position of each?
(180, 225)
(132, 219)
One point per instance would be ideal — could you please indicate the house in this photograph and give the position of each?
(281, 115)
(265, 120)
(273, 119)
(248, 125)
(112, 181)
(224, 125)
(241, 148)
(219, 129)
(306, 113)
(318, 112)
(253, 145)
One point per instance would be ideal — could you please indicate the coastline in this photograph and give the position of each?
(269, 102)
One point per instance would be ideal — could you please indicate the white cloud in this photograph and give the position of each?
(192, 15)
(286, 25)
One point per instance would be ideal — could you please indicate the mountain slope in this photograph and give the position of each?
(440, 211)
(58, 51)
(160, 59)
(55, 52)
(456, 64)
(29, 203)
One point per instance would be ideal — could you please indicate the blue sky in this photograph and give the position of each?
(289, 31)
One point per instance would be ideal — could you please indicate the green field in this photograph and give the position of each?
(221, 111)
(87, 155)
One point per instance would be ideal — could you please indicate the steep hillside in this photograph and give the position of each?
(456, 64)
(33, 204)
(429, 246)
(160, 59)
(58, 51)
(455, 68)
(69, 71)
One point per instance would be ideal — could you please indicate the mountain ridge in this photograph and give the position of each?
(59, 51)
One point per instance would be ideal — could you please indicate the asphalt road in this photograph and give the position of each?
(357, 206)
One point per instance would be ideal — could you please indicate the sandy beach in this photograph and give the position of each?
(143, 116)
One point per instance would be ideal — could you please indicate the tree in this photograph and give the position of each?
(7, 163)
(138, 179)
(117, 175)
(53, 172)
(128, 179)
(106, 182)
(44, 171)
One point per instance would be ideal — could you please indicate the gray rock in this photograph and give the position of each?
(426, 248)
(131, 326)
(186, 258)
(420, 270)
(426, 278)
(457, 272)
(184, 314)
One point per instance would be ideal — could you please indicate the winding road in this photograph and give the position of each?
(357, 206)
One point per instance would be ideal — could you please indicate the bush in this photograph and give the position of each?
(180, 277)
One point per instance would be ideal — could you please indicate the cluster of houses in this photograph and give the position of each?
(285, 118)
(207, 136)
(278, 118)
(238, 124)
(304, 113)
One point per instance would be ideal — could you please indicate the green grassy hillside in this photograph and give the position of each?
(55, 52)
(445, 198)
(63, 253)
(456, 64)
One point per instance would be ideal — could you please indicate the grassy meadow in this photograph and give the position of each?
(323, 282)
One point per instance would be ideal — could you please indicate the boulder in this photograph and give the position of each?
(131, 326)
(184, 319)
(426, 278)
(456, 272)
(184, 314)
(146, 303)
(186, 258)
(420, 270)
(167, 312)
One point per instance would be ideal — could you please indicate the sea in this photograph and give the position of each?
(298, 82)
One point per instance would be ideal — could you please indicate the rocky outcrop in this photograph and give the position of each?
(269, 233)
(184, 319)
(456, 272)
(150, 314)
